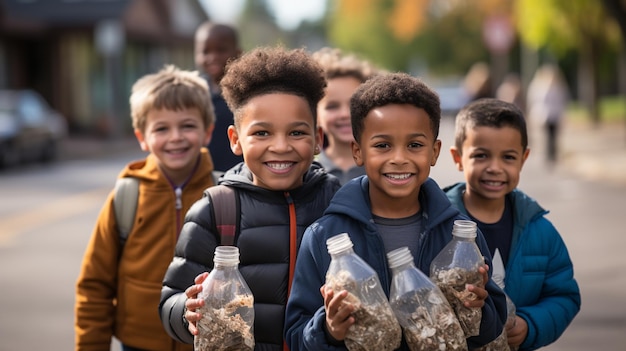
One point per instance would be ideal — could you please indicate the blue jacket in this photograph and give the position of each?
(539, 274)
(350, 212)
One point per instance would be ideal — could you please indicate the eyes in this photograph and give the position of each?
(162, 128)
(481, 156)
(294, 133)
(387, 145)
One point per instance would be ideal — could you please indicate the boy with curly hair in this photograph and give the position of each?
(395, 121)
(273, 93)
(491, 147)
(120, 283)
(344, 73)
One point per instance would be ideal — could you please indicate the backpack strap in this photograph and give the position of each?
(226, 212)
(125, 201)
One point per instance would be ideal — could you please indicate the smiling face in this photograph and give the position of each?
(333, 111)
(491, 160)
(397, 149)
(277, 137)
(175, 139)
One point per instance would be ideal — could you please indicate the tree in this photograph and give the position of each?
(563, 25)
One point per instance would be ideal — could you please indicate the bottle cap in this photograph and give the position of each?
(464, 228)
(226, 255)
(338, 243)
(399, 257)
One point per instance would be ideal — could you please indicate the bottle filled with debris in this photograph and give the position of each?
(228, 313)
(454, 268)
(426, 317)
(375, 327)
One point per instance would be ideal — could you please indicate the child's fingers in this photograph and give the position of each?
(480, 296)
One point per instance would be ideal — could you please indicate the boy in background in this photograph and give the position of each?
(491, 146)
(214, 46)
(279, 189)
(119, 286)
(395, 121)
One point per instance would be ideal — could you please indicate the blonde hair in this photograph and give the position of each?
(171, 89)
(338, 64)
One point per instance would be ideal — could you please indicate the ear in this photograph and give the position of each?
(141, 140)
(208, 134)
(319, 140)
(436, 152)
(357, 154)
(456, 157)
(233, 136)
(525, 156)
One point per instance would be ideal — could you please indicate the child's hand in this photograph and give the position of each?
(338, 313)
(516, 331)
(479, 290)
(193, 302)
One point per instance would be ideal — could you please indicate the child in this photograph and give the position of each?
(344, 73)
(491, 146)
(395, 121)
(118, 287)
(274, 94)
(215, 45)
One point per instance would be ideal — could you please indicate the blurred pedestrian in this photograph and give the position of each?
(344, 74)
(477, 82)
(215, 45)
(511, 90)
(119, 285)
(548, 96)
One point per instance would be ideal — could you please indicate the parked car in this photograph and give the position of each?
(30, 130)
(453, 97)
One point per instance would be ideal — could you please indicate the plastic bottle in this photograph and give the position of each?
(456, 266)
(228, 313)
(426, 317)
(375, 327)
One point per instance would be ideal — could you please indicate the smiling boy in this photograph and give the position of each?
(395, 121)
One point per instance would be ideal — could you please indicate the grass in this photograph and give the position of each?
(612, 109)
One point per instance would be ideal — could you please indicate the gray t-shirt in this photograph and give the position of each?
(330, 167)
(399, 232)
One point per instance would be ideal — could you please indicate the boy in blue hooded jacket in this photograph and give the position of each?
(491, 146)
(395, 122)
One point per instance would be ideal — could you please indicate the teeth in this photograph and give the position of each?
(280, 166)
(493, 183)
(399, 176)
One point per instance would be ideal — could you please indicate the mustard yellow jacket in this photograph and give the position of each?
(118, 291)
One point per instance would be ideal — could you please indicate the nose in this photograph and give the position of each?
(280, 144)
(176, 134)
(398, 156)
(494, 166)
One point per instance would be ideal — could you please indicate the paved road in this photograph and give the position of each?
(47, 213)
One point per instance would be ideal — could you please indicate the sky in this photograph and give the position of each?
(289, 13)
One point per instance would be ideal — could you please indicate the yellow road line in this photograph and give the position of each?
(65, 207)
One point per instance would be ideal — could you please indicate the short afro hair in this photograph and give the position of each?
(489, 112)
(393, 88)
(267, 70)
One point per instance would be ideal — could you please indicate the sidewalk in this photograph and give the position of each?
(597, 154)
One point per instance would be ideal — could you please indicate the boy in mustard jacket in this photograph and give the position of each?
(118, 288)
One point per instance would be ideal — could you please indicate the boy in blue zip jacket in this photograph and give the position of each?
(491, 146)
(395, 122)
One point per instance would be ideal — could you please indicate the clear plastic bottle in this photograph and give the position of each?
(456, 266)
(501, 343)
(375, 327)
(426, 317)
(228, 313)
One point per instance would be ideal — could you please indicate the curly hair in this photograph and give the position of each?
(489, 112)
(393, 88)
(337, 64)
(267, 70)
(171, 89)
